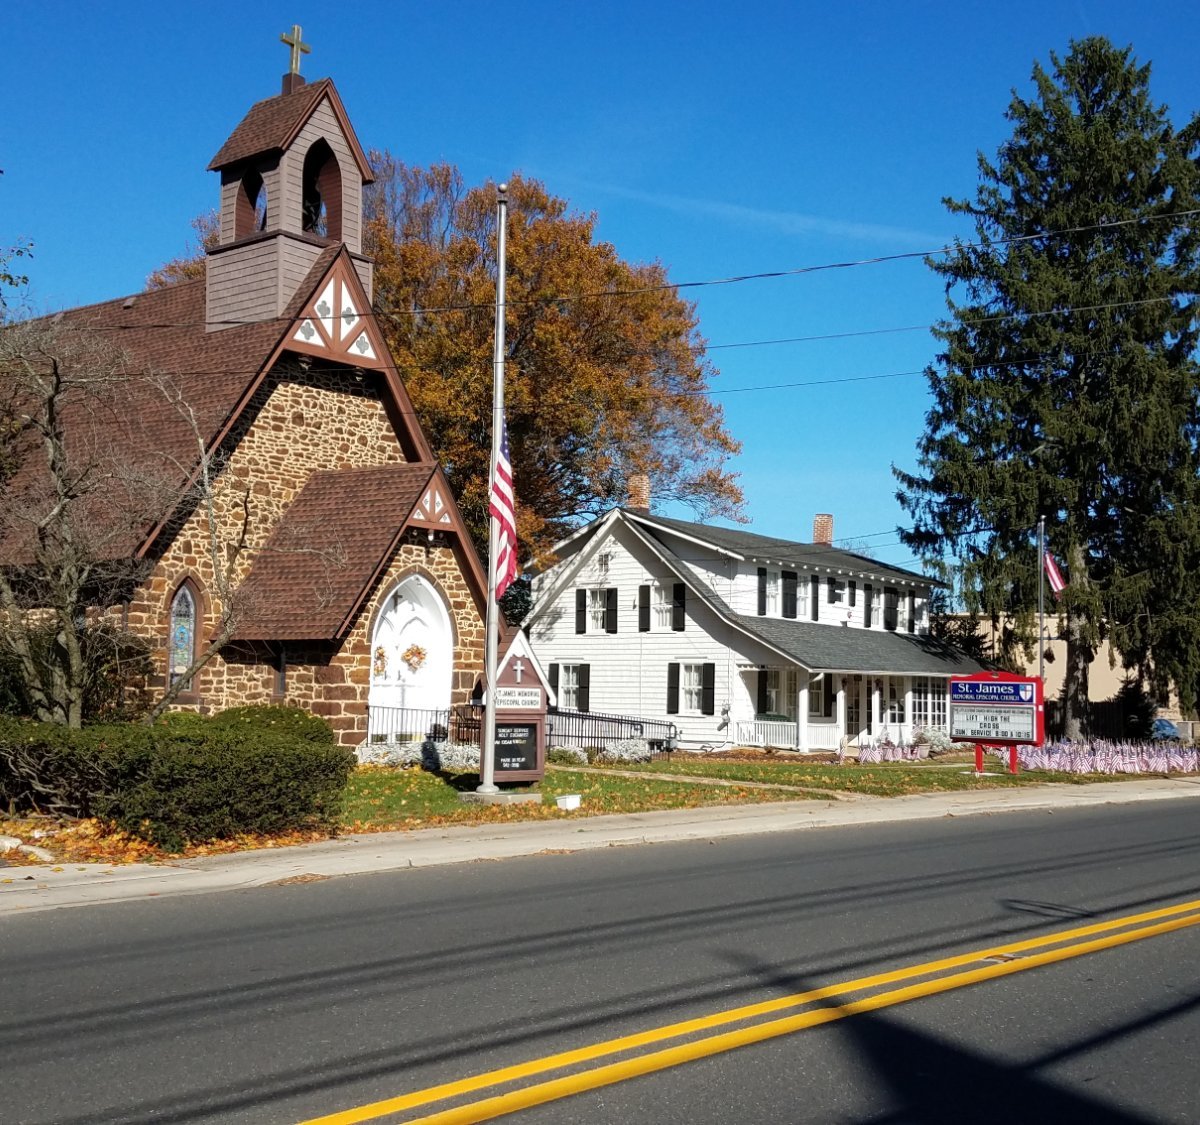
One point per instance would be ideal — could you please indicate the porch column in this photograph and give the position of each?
(875, 716)
(908, 712)
(802, 713)
(840, 709)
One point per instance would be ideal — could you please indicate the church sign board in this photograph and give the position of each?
(523, 695)
(997, 709)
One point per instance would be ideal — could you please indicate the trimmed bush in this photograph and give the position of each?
(288, 721)
(567, 756)
(180, 781)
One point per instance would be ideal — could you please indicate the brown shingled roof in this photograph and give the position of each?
(327, 552)
(271, 124)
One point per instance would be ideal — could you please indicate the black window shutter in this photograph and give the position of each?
(789, 594)
(643, 609)
(762, 591)
(814, 588)
(678, 606)
(831, 590)
(672, 689)
(830, 702)
(584, 694)
(891, 608)
(552, 672)
(708, 686)
(761, 705)
(912, 611)
(610, 610)
(581, 599)
(868, 605)
(853, 592)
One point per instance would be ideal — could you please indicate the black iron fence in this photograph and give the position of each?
(563, 728)
(586, 728)
(406, 724)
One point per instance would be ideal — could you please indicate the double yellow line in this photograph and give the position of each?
(999, 961)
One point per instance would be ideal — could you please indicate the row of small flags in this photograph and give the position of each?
(1101, 757)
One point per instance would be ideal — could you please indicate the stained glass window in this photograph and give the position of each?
(183, 633)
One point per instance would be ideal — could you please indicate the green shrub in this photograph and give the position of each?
(290, 721)
(180, 781)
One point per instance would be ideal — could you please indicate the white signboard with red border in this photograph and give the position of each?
(997, 709)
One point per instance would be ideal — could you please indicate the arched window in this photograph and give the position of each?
(250, 214)
(181, 648)
(321, 193)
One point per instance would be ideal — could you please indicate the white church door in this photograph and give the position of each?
(412, 651)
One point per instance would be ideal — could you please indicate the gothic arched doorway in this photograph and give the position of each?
(412, 649)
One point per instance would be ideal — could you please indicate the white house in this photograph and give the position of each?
(739, 638)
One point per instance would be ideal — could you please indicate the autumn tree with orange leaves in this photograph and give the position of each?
(606, 374)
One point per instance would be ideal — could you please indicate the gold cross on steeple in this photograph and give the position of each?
(298, 46)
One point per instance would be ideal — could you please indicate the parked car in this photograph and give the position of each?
(1164, 730)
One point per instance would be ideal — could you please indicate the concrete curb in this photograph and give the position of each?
(25, 890)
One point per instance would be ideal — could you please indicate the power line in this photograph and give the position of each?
(706, 283)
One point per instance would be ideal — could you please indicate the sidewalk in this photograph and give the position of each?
(24, 890)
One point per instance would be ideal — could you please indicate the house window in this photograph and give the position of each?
(790, 581)
(597, 605)
(780, 691)
(691, 689)
(664, 604)
(929, 702)
(596, 610)
(891, 608)
(802, 598)
(895, 700)
(573, 686)
(772, 593)
(837, 591)
(568, 687)
(774, 691)
(768, 592)
(183, 635)
(816, 696)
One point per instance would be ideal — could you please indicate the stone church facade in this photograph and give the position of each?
(316, 535)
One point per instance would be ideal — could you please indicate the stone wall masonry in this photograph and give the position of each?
(299, 422)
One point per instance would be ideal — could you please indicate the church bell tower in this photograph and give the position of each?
(292, 177)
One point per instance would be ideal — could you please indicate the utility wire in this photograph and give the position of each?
(798, 271)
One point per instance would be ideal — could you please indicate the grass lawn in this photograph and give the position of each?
(891, 780)
(380, 798)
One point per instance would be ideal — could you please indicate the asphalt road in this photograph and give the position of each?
(286, 1003)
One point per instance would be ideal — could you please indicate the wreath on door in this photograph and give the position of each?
(413, 656)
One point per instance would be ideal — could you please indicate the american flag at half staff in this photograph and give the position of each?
(503, 511)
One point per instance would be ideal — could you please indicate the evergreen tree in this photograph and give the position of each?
(1067, 382)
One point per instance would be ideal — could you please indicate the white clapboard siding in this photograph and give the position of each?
(629, 668)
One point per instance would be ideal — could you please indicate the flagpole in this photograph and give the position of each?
(487, 756)
(1042, 598)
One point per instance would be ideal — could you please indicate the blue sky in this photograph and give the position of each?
(719, 139)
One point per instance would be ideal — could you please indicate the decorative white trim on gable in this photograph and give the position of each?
(335, 325)
(432, 507)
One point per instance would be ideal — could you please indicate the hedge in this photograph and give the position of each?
(262, 770)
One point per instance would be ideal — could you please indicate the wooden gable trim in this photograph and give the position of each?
(397, 405)
(336, 322)
(343, 120)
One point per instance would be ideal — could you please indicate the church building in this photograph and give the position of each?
(314, 538)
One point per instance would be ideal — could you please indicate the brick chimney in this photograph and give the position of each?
(639, 494)
(823, 529)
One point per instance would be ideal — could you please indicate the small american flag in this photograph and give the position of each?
(1057, 582)
(503, 510)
